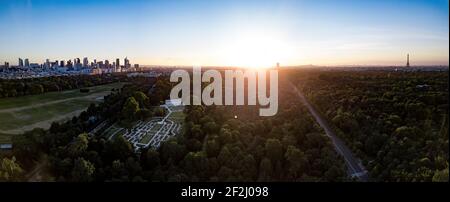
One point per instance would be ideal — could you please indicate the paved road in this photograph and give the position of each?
(354, 165)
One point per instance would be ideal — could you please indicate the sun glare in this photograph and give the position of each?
(256, 50)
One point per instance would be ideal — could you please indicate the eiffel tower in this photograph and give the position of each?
(407, 60)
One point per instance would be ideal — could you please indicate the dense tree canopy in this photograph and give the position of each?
(397, 122)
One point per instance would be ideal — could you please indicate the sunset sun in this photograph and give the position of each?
(256, 49)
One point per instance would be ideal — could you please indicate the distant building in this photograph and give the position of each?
(69, 63)
(96, 71)
(77, 63)
(173, 102)
(27, 63)
(85, 62)
(47, 63)
(100, 64)
(6, 64)
(34, 65)
(20, 62)
(61, 63)
(127, 62)
(5, 146)
(423, 87)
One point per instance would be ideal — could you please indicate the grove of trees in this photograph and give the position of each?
(218, 143)
(397, 122)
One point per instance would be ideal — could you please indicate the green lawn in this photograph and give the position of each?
(177, 116)
(7, 103)
(147, 137)
(112, 130)
(12, 120)
(24, 113)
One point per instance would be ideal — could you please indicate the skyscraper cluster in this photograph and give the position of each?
(26, 69)
(76, 63)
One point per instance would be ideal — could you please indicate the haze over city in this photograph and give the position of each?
(227, 33)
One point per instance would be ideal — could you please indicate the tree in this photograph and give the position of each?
(144, 114)
(172, 150)
(27, 147)
(133, 166)
(333, 174)
(249, 169)
(441, 176)
(119, 148)
(196, 163)
(130, 108)
(118, 170)
(265, 170)
(212, 148)
(152, 159)
(79, 145)
(225, 156)
(36, 89)
(141, 98)
(159, 111)
(274, 150)
(296, 161)
(10, 170)
(405, 131)
(82, 171)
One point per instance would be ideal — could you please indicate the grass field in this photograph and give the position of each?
(7, 103)
(113, 130)
(148, 136)
(5, 138)
(25, 113)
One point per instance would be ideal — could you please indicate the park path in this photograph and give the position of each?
(35, 174)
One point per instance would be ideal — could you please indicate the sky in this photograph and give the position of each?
(227, 32)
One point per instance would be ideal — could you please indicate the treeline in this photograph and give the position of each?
(218, 147)
(33, 86)
(396, 121)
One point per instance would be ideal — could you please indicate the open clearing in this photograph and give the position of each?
(20, 114)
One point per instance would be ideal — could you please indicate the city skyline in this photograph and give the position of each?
(85, 61)
(228, 33)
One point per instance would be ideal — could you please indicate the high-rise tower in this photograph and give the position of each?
(20, 62)
(407, 60)
(126, 63)
(85, 62)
